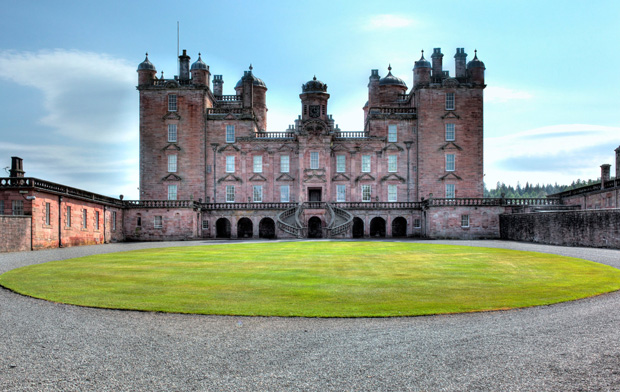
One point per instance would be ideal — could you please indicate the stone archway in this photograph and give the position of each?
(266, 228)
(399, 227)
(377, 227)
(245, 228)
(315, 227)
(222, 228)
(358, 228)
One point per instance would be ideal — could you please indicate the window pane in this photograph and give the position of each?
(340, 163)
(449, 162)
(450, 135)
(365, 192)
(366, 163)
(172, 163)
(158, 223)
(172, 192)
(392, 192)
(284, 164)
(392, 133)
(230, 133)
(449, 101)
(258, 164)
(392, 163)
(172, 132)
(230, 164)
(68, 219)
(314, 160)
(450, 191)
(172, 103)
(84, 221)
(465, 220)
(18, 207)
(341, 195)
(47, 213)
(284, 193)
(258, 193)
(230, 193)
(96, 220)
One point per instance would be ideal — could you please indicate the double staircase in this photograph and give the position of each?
(339, 221)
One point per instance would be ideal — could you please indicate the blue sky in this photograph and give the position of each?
(68, 74)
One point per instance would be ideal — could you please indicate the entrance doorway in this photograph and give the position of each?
(358, 228)
(399, 227)
(315, 227)
(377, 227)
(314, 194)
(245, 228)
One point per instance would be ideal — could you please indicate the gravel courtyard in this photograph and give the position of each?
(54, 347)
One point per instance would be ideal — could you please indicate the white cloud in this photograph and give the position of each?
(87, 96)
(558, 153)
(387, 21)
(499, 94)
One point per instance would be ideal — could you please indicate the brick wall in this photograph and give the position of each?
(447, 222)
(176, 224)
(15, 233)
(595, 228)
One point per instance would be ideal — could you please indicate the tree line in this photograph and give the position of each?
(531, 190)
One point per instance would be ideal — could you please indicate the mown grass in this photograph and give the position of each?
(315, 279)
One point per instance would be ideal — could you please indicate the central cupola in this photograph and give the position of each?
(314, 100)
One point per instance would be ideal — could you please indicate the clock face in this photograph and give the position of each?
(315, 111)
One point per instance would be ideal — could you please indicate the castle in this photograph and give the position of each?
(210, 169)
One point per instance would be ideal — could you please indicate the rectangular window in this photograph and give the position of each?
(258, 163)
(341, 193)
(392, 133)
(68, 218)
(172, 192)
(96, 220)
(392, 163)
(1, 207)
(450, 191)
(205, 225)
(158, 222)
(172, 133)
(366, 192)
(84, 219)
(47, 214)
(449, 101)
(230, 133)
(417, 223)
(113, 220)
(284, 194)
(139, 222)
(314, 160)
(257, 194)
(450, 162)
(172, 163)
(464, 220)
(17, 207)
(366, 163)
(230, 164)
(284, 164)
(450, 135)
(230, 193)
(392, 193)
(341, 162)
(172, 103)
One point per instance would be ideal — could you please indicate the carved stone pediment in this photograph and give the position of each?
(257, 177)
(339, 148)
(393, 177)
(229, 116)
(341, 177)
(314, 127)
(450, 114)
(450, 146)
(172, 84)
(364, 177)
(171, 177)
(313, 177)
(393, 147)
(449, 175)
(230, 178)
(229, 147)
(287, 147)
(172, 147)
(450, 82)
(172, 116)
(285, 177)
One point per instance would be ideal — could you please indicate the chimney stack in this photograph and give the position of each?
(184, 66)
(218, 85)
(604, 174)
(460, 63)
(17, 167)
(437, 59)
(618, 163)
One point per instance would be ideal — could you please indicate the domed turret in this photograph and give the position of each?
(475, 69)
(255, 81)
(390, 80)
(199, 64)
(314, 98)
(314, 86)
(200, 72)
(421, 72)
(146, 72)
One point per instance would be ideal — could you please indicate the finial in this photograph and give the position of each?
(475, 54)
(251, 68)
(147, 54)
(162, 74)
(422, 58)
(314, 78)
(389, 67)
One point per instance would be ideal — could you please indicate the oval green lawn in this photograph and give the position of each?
(315, 279)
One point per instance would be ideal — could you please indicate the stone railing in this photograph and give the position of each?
(314, 205)
(228, 98)
(161, 204)
(342, 228)
(375, 205)
(489, 201)
(274, 135)
(246, 206)
(351, 135)
(212, 111)
(392, 110)
(297, 230)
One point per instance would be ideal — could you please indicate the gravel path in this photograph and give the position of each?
(53, 347)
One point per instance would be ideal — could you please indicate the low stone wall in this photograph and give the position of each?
(594, 228)
(468, 223)
(15, 233)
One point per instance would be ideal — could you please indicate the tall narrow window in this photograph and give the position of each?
(68, 219)
(366, 192)
(392, 193)
(464, 220)
(230, 133)
(449, 101)
(172, 133)
(341, 193)
(47, 214)
(341, 163)
(230, 164)
(366, 163)
(158, 222)
(257, 194)
(17, 207)
(392, 133)
(172, 102)
(450, 191)
(230, 193)
(172, 192)
(284, 164)
(113, 220)
(314, 160)
(284, 194)
(84, 219)
(450, 162)
(450, 134)
(258, 163)
(1, 207)
(392, 163)
(172, 163)
(96, 220)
